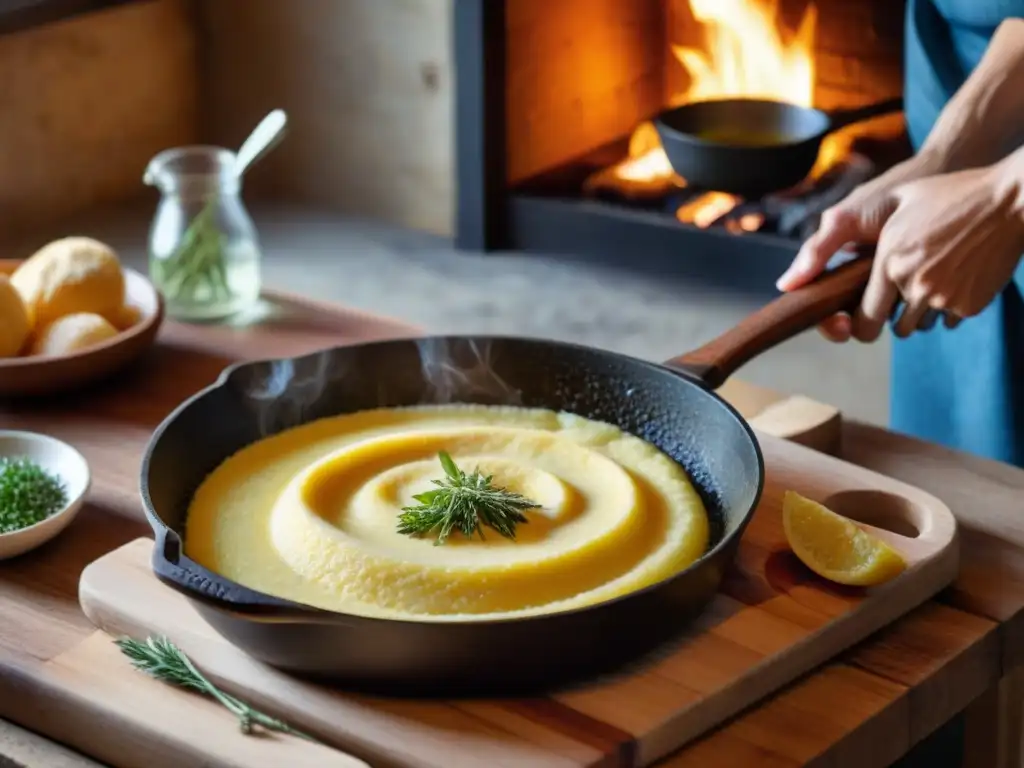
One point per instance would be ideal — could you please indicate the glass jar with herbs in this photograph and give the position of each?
(204, 254)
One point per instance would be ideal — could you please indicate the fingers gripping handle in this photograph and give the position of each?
(838, 290)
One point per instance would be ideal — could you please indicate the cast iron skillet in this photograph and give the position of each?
(751, 147)
(672, 405)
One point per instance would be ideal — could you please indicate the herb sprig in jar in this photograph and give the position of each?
(200, 259)
(29, 494)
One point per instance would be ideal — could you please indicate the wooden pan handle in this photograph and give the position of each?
(792, 313)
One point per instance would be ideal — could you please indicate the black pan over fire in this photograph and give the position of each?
(752, 147)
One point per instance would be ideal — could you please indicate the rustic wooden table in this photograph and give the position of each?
(868, 707)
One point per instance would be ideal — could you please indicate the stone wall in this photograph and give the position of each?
(581, 73)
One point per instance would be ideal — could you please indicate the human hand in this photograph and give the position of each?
(951, 245)
(856, 219)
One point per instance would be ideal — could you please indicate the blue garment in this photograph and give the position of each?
(962, 388)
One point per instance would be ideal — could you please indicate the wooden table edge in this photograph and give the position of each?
(289, 297)
(892, 633)
(854, 659)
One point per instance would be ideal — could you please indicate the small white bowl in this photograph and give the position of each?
(61, 460)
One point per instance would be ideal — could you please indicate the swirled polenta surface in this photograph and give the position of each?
(311, 514)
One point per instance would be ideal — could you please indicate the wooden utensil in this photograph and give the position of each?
(34, 376)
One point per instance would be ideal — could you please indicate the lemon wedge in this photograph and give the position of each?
(834, 547)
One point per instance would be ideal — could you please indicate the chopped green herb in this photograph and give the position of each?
(28, 494)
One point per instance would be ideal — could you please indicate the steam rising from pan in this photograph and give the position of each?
(458, 369)
(287, 392)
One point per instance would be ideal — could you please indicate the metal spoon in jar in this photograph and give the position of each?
(263, 138)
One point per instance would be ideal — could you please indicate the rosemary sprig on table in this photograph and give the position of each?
(464, 503)
(158, 657)
(198, 258)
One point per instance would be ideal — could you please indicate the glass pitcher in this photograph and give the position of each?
(204, 254)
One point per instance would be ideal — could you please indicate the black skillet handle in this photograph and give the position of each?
(840, 118)
(197, 583)
(839, 290)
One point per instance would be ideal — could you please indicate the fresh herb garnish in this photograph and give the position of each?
(158, 657)
(28, 494)
(464, 503)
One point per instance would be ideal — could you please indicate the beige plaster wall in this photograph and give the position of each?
(86, 102)
(367, 85)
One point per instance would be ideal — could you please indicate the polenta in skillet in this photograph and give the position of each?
(355, 514)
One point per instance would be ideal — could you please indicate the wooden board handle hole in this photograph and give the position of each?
(878, 509)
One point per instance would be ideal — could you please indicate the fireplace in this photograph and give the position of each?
(556, 152)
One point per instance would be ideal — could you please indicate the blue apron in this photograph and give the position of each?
(962, 388)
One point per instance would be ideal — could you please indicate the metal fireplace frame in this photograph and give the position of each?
(492, 217)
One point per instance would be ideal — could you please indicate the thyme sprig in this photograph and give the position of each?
(159, 658)
(465, 503)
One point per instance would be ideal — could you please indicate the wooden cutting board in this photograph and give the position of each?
(772, 621)
(57, 679)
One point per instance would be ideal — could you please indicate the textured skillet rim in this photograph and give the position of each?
(302, 613)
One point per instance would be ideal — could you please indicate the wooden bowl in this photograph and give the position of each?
(37, 375)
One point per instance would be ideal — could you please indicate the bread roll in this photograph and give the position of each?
(69, 276)
(72, 333)
(14, 322)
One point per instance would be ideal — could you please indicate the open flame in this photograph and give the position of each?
(746, 56)
(707, 209)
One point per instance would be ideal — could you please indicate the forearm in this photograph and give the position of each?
(1007, 179)
(984, 121)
